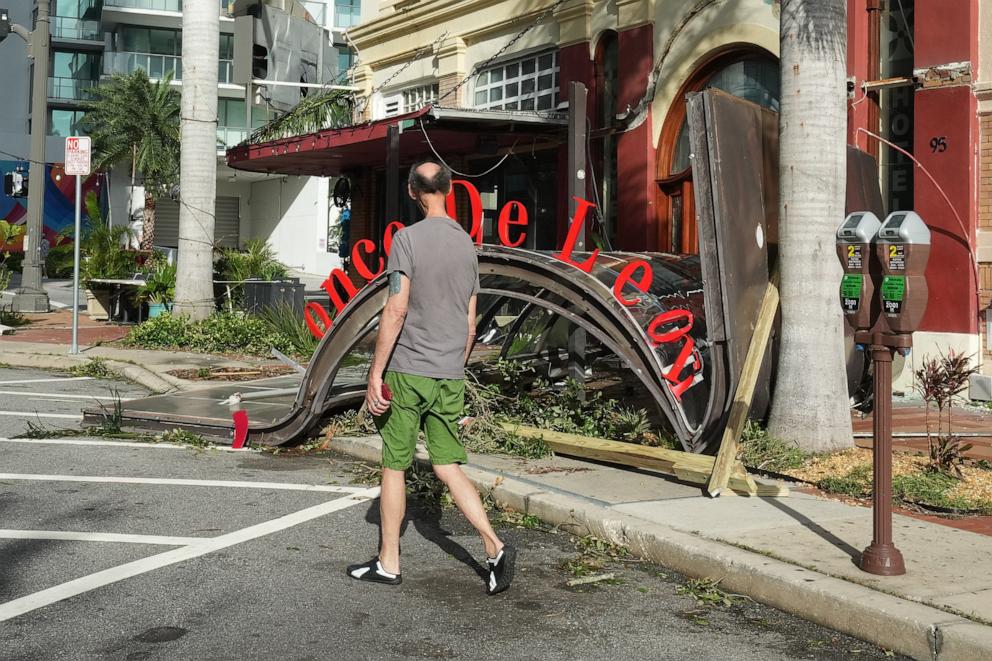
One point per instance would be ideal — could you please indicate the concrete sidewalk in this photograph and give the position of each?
(797, 553)
(145, 367)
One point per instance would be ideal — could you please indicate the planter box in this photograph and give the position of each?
(98, 304)
(158, 309)
(262, 294)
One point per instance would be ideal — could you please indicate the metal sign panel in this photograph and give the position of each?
(77, 155)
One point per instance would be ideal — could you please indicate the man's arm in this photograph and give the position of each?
(390, 325)
(471, 328)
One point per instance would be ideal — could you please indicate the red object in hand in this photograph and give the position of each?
(387, 394)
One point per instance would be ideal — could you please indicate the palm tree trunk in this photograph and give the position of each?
(811, 404)
(148, 223)
(198, 159)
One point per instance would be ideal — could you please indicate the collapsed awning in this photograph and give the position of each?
(448, 131)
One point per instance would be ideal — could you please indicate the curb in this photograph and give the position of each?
(910, 628)
(135, 373)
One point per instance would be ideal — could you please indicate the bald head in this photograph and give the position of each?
(429, 178)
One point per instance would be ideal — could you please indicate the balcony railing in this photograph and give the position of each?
(68, 89)
(228, 136)
(68, 27)
(159, 5)
(156, 66)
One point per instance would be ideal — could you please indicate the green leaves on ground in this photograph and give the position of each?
(707, 592)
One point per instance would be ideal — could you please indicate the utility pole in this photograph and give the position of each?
(31, 296)
(577, 93)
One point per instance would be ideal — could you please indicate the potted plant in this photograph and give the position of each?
(159, 288)
(104, 258)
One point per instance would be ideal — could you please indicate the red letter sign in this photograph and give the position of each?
(573, 235)
(387, 238)
(505, 221)
(627, 275)
(312, 308)
(356, 257)
(342, 279)
(677, 386)
(475, 203)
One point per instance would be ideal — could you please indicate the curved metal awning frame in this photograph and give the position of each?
(581, 298)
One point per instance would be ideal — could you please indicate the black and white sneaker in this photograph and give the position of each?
(501, 569)
(372, 571)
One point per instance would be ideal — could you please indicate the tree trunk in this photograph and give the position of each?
(148, 222)
(198, 159)
(811, 405)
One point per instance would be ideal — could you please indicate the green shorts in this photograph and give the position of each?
(420, 402)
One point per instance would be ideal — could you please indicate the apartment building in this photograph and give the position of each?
(94, 39)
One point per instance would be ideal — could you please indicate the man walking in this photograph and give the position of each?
(425, 335)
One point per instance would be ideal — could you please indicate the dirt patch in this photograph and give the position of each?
(232, 373)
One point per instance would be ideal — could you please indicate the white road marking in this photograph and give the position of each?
(38, 414)
(64, 535)
(50, 395)
(285, 486)
(78, 586)
(119, 444)
(67, 378)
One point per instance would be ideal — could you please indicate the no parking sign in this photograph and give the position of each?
(77, 155)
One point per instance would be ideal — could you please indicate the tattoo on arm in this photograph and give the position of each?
(395, 280)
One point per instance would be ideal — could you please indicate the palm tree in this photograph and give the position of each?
(315, 112)
(811, 405)
(198, 162)
(136, 121)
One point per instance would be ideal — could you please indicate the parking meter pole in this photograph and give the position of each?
(882, 557)
(75, 269)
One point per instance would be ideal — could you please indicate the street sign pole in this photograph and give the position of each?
(75, 268)
(77, 162)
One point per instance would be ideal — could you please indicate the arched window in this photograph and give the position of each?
(747, 72)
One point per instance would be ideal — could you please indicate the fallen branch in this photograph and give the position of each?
(590, 579)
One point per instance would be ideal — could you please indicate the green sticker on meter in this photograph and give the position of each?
(850, 285)
(894, 288)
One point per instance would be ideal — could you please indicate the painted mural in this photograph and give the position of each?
(60, 191)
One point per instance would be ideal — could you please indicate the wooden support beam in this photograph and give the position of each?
(726, 457)
(686, 466)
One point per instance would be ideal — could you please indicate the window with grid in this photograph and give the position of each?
(410, 99)
(528, 83)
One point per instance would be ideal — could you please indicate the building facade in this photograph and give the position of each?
(92, 40)
(920, 78)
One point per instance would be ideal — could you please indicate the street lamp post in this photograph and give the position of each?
(31, 296)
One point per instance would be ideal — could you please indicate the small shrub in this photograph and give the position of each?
(761, 451)
(94, 368)
(163, 332)
(940, 381)
(283, 320)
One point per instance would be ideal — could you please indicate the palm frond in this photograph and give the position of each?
(316, 112)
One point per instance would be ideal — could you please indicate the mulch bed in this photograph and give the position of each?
(233, 373)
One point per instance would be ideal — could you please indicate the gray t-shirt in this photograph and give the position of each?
(439, 258)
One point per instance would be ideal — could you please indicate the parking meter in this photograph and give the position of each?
(903, 248)
(857, 257)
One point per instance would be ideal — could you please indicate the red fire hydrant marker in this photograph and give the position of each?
(240, 429)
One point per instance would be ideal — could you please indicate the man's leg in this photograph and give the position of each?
(392, 508)
(468, 501)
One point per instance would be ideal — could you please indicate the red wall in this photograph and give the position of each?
(945, 32)
(857, 66)
(635, 154)
(949, 113)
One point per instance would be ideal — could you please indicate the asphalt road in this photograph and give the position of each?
(38, 398)
(151, 552)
